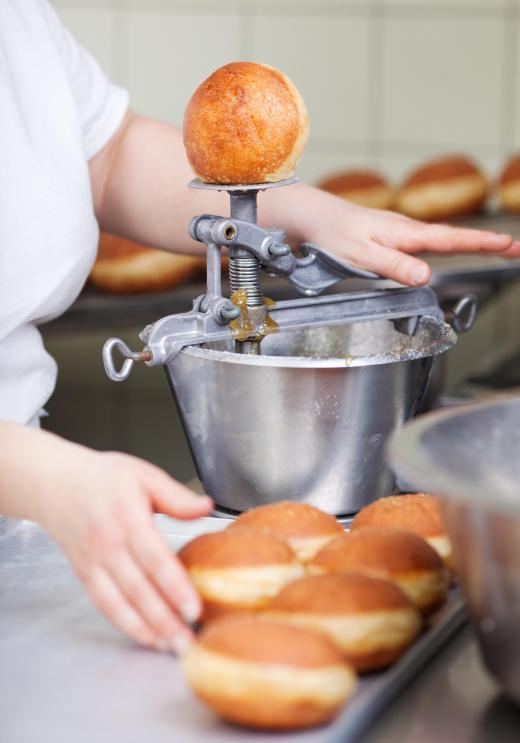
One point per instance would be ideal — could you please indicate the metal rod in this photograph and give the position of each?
(213, 273)
(244, 268)
(243, 205)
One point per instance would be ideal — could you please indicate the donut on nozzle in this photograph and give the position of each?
(395, 554)
(268, 675)
(238, 570)
(417, 512)
(247, 123)
(370, 619)
(306, 529)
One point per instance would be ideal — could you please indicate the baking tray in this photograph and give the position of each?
(375, 691)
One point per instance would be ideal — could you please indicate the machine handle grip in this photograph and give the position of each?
(462, 314)
(130, 358)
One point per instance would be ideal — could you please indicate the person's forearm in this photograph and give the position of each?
(140, 190)
(32, 462)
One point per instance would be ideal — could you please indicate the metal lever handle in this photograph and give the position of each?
(311, 274)
(461, 315)
(319, 269)
(130, 358)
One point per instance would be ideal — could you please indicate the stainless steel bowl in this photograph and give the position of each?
(308, 419)
(470, 456)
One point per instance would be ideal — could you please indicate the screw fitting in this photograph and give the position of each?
(278, 249)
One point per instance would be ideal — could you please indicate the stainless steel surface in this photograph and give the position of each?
(67, 675)
(309, 418)
(454, 700)
(470, 457)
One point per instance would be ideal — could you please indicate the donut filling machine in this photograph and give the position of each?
(296, 398)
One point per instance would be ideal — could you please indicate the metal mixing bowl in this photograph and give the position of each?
(470, 457)
(308, 419)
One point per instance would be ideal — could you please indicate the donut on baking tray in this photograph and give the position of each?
(268, 675)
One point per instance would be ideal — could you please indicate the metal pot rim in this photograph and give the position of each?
(447, 338)
(410, 460)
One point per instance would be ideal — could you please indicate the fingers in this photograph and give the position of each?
(391, 263)
(171, 497)
(109, 600)
(148, 603)
(414, 237)
(512, 252)
(162, 567)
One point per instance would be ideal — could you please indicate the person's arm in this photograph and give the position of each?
(98, 506)
(139, 185)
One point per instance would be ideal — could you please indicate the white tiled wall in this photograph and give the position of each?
(387, 82)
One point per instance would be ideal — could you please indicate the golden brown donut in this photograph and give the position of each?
(370, 619)
(363, 187)
(305, 528)
(509, 185)
(126, 267)
(238, 569)
(417, 512)
(247, 123)
(267, 675)
(442, 189)
(395, 554)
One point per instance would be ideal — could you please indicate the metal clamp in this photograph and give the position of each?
(130, 358)
(311, 274)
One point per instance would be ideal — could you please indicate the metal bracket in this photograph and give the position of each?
(311, 274)
(171, 334)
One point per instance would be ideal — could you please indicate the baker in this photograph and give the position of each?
(75, 157)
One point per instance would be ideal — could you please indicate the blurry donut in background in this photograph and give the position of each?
(363, 187)
(370, 619)
(394, 554)
(306, 529)
(442, 189)
(238, 570)
(417, 512)
(509, 186)
(126, 267)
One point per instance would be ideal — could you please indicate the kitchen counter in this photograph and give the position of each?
(67, 675)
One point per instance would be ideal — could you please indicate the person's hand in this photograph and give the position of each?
(380, 241)
(103, 522)
(385, 242)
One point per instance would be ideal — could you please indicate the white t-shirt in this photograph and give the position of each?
(57, 110)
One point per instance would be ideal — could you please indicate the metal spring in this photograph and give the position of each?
(244, 273)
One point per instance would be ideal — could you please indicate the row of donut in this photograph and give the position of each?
(294, 607)
(444, 188)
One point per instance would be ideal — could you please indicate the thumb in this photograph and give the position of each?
(172, 498)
